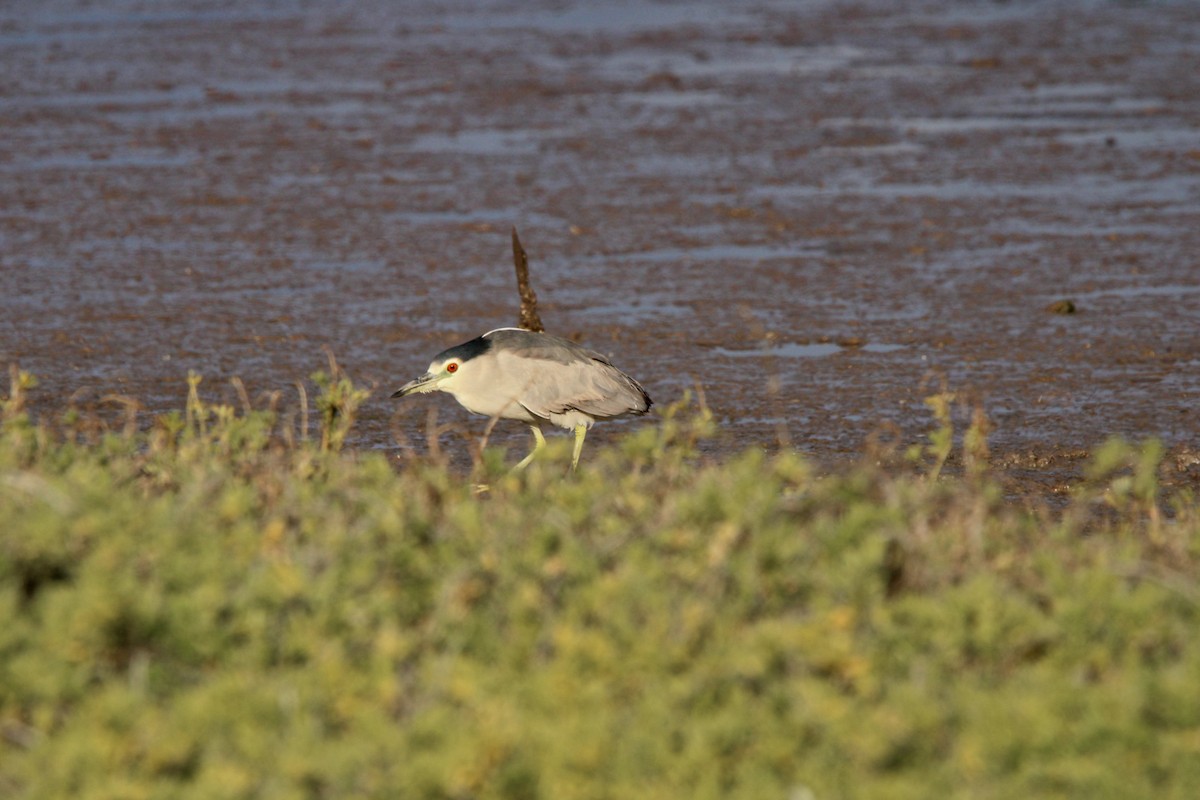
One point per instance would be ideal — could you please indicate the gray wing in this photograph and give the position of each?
(556, 376)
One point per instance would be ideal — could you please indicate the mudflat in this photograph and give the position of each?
(819, 213)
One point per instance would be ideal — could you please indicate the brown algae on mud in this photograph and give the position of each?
(230, 191)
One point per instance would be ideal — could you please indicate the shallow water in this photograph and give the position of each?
(861, 200)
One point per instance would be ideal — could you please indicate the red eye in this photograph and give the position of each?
(452, 367)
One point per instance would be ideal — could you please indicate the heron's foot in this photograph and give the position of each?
(580, 435)
(539, 443)
(480, 488)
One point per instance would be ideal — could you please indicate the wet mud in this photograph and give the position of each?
(817, 212)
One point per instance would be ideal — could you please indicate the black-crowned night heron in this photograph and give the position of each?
(536, 378)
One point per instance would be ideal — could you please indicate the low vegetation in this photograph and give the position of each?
(221, 607)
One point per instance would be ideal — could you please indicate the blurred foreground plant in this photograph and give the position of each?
(934, 454)
(214, 609)
(337, 404)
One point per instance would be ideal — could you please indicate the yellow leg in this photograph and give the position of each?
(539, 443)
(580, 433)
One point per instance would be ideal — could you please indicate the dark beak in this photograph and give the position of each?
(415, 386)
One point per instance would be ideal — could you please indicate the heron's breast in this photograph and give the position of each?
(485, 393)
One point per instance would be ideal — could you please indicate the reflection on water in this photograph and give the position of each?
(479, 142)
(1167, 291)
(716, 252)
(816, 350)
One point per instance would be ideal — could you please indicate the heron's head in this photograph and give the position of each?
(446, 368)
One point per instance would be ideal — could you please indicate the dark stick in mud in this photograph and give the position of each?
(529, 319)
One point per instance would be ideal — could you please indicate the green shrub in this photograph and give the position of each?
(217, 608)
